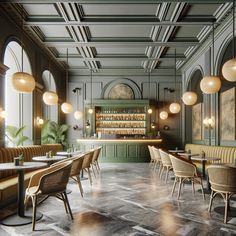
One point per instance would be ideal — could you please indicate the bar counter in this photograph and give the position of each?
(120, 150)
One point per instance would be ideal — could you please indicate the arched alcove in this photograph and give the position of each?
(193, 85)
(49, 112)
(123, 85)
(20, 115)
(226, 98)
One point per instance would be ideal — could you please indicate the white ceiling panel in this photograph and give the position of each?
(120, 50)
(40, 9)
(51, 31)
(120, 9)
(119, 31)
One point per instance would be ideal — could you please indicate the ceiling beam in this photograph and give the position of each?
(107, 59)
(117, 1)
(109, 44)
(35, 21)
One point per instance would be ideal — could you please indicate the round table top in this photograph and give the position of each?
(175, 151)
(49, 159)
(26, 165)
(199, 158)
(68, 153)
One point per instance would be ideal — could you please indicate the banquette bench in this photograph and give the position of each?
(9, 179)
(226, 154)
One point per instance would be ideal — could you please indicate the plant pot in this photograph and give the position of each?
(21, 162)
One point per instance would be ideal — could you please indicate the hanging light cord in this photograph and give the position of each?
(233, 29)
(77, 102)
(149, 82)
(91, 88)
(175, 76)
(164, 98)
(22, 28)
(213, 48)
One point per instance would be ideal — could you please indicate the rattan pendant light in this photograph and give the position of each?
(174, 106)
(21, 81)
(90, 110)
(163, 114)
(211, 84)
(49, 97)
(77, 114)
(149, 84)
(67, 107)
(229, 67)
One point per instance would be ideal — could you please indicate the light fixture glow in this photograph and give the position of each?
(66, 107)
(90, 111)
(174, 107)
(50, 98)
(149, 111)
(189, 98)
(23, 82)
(209, 122)
(39, 121)
(78, 115)
(229, 70)
(3, 114)
(163, 115)
(210, 84)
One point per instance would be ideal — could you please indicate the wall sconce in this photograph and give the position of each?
(87, 124)
(209, 122)
(39, 121)
(3, 114)
(153, 125)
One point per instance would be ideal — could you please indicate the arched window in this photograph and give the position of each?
(49, 112)
(19, 107)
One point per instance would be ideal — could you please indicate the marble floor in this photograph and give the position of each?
(129, 199)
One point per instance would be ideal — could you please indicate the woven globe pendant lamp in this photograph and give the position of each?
(174, 106)
(22, 82)
(211, 84)
(229, 67)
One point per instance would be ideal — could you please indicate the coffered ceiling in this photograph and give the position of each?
(104, 35)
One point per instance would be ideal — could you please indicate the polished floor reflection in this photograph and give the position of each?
(130, 199)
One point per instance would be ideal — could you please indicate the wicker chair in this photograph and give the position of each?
(51, 182)
(88, 157)
(222, 179)
(166, 164)
(95, 160)
(157, 157)
(76, 169)
(185, 170)
(77, 162)
(152, 160)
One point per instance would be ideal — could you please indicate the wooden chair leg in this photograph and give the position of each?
(167, 172)
(180, 185)
(173, 188)
(98, 165)
(90, 177)
(68, 205)
(226, 207)
(203, 194)
(80, 186)
(64, 201)
(193, 188)
(211, 199)
(93, 171)
(34, 203)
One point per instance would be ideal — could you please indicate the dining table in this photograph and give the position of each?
(22, 217)
(68, 154)
(176, 151)
(49, 160)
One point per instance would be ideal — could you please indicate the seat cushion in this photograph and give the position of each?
(8, 186)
